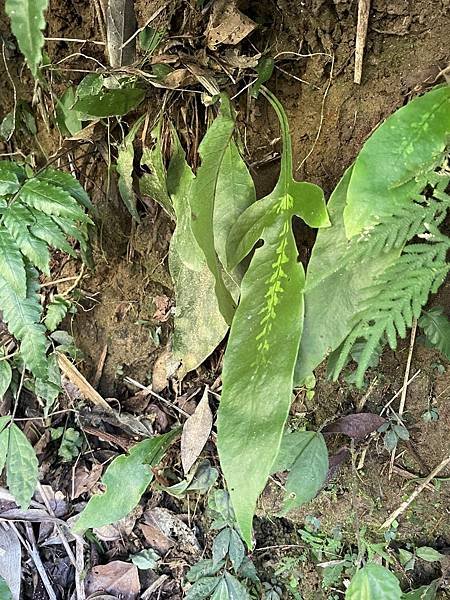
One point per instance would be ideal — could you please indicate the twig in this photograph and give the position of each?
(404, 505)
(408, 368)
(152, 393)
(397, 394)
(149, 20)
(79, 549)
(361, 34)
(75, 40)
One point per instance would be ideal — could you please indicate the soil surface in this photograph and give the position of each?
(124, 312)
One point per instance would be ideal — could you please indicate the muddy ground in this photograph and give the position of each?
(125, 304)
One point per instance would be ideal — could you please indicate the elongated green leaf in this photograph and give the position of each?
(90, 85)
(436, 328)
(12, 268)
(265, 335)
(9, 184)
(429, 554)
(202, 588)
(68, 119)
(110, 103)
(56, 311)
(154, 184)
(389, 168)
(335, 288)
(236, 591)
(16, 221)
(198, 324)
(203, 193)
(374, 582)
(221, 591)
(51, 200)
(126, 479)
(125, 159)
(5, 376)
(4, 440)
(304, 454)
(235, 192)
(203, 568)
(21, 467)
(5, 592)
(27, 24)
(68, 183)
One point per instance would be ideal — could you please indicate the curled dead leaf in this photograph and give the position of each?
(227, 25)
(117, 577)
(196, 432)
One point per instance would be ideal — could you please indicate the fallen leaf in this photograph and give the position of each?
(173, 528)
(162, 308)
(85, 480)
(117, 577)
(227, 25)
(335, 461)
(121, 25)
(10, 559)
(196, 432)
(119, 530)
(356, 426)
(155, 539)
(163, 369)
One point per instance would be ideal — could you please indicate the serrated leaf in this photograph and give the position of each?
(27, 24)
(428, 554)
(203, 568)
(21, 467)
(9, 184)
(133, 468)
(198, 324)
(12, 268)
(304, 454)
(46, 229)
(221, 544)
(5, 376)
(436, 328)
(125, 167)
(154, 184)
(68, 183)
(5, 592)
(51, 200)
(265, 334)
(374, 582)
(16, 221)
(202, 588)
(212, 151)
(56, 311)
(110, 103)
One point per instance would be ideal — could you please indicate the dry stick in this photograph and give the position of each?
(361, 34)
(404, 505)
(405, 387)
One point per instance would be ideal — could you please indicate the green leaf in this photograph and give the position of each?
(125, 167)
(51, 200)
(221, 545)
(68, 183)
(198, 324)
(5, 592)
(436, 328)
(27, 24)
(236, 591)
(154, 184)
(374, 582)
(221, 591)
(264, 69)
(9, 184)
(68, 119)
(202, 198)
(202, 588)
(425, 592)
(265, 334)
(22, 316)
(428, 554)
(133, 468)
(5, 376)
(49, 388)
(16, 221)
(4, 440)
(90, 85)
(203, 568)
(236, 550)
(150, 38)
(146, 559)
(235, 192)
(110, 103)
(389, 169)
(56, 311)
(8, 126)
(304, 454)
(21, 467)
(46, 229)
(12, 268)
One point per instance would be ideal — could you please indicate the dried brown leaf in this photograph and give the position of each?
(117, 577)
(355, 426)
(227, 25)
(85, 479)
(173, 528)
(196, 432)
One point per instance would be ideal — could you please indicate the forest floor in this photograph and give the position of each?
(123, 324)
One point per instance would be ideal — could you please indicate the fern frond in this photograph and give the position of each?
(12, 268)
(16, 220)
(51, 200)
(68, 183)
(400, 292)
(56, 311)
(46, 229)
(23, 316)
